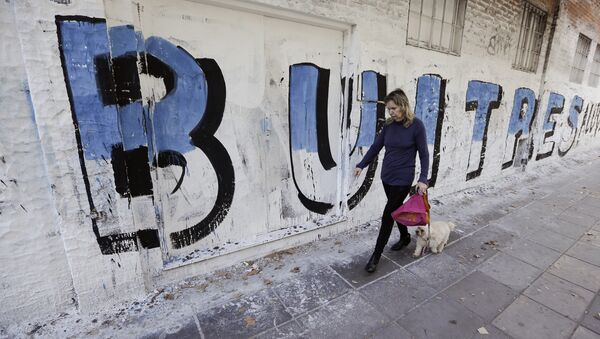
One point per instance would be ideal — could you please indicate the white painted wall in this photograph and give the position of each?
(35, 272)
(56, 260)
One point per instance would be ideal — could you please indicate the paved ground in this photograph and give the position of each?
(524, 262)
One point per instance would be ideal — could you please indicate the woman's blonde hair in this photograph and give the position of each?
(398, 97)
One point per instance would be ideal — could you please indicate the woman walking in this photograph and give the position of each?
(403, 135)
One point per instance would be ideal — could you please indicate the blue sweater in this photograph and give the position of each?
(401, 146)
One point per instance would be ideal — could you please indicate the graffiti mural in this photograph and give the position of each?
(519, 127)
(591, 120)
(482, 97)
(372, 116)
(96, 126)
(309, 89)
(308, 128)
(134, 145)
(430, 107)
(112, 121)
(572, 119)
(556, 103)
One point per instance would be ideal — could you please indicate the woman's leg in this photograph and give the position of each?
(403, 231)
(396, 196)
(404, 238)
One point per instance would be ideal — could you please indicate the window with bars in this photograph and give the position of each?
(595, 71)
(533, 24)
(580, 59)
(436, 24)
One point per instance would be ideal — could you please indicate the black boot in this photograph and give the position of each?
(372, 264)
(404, 241)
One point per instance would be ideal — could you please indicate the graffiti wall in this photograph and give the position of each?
(172, 134)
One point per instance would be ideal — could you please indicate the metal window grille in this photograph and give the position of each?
(533, 24)
(436, 24)
(595, 71)
(580, 59)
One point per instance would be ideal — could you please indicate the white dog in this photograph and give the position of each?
(440, 231)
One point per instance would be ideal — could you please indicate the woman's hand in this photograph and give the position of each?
(357, 171)
(421, 188)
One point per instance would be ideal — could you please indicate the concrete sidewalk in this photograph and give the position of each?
(524, 262)
(529, 271)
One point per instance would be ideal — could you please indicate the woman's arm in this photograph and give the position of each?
(373, 151)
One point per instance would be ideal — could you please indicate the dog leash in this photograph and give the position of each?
(426, 247)
(427, 206)
(429, 235)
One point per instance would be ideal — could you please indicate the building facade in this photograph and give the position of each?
(144, 142)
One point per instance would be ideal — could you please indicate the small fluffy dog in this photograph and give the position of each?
(440, 231)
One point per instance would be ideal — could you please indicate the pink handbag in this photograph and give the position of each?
(414, 212)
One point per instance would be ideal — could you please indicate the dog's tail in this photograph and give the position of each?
(451, 225)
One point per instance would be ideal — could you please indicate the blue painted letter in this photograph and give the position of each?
(521, 118)
(556, 103)
(482, 97)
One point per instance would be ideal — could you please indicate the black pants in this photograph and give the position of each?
(395, 198)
